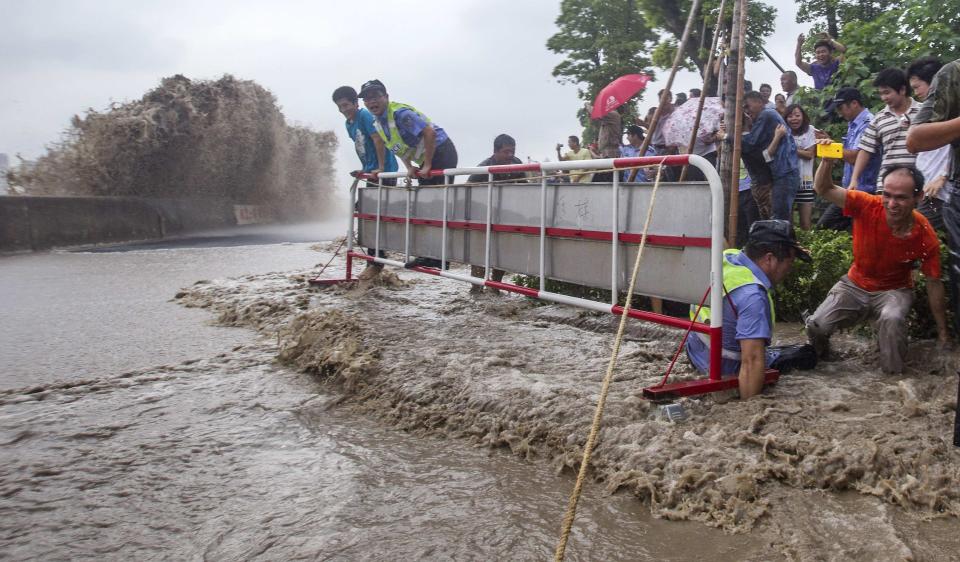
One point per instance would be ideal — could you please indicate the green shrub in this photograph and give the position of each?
(809, 283)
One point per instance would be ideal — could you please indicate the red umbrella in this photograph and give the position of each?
(617, 93)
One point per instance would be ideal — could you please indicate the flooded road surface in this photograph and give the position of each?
(132, 428)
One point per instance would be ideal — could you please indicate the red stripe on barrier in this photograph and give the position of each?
(662, 319)
(674, 160)
(526, 291)
(626, 237)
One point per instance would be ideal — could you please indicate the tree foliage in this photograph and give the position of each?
(669, 19)
(605, 39)
(833, 15)
(892, 38)
(602, 40)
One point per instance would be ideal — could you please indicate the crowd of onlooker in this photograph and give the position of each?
(778, 144)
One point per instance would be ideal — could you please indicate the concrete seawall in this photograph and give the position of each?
(41, 223)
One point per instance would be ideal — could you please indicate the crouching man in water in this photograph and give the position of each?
(748, 315)
(889, 239)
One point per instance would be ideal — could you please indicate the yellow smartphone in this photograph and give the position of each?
(832, 150)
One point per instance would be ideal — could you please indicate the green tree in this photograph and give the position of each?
(670, 18)
(602, 40)
(832, 15)
(890, 39)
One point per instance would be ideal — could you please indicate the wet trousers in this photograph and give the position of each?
(847, 305)
(784, 192)
(951, 220)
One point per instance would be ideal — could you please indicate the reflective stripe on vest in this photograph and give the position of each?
(734, 277)
(391, 137)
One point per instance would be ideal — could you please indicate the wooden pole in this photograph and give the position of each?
(666, 89)
(773, 60)
(737, 44)
(707, 74)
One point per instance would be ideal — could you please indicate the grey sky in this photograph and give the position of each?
(478, 68)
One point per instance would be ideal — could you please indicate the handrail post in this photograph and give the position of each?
(615, 238)
(486, 256)
(543, 233)
(376, 243)
(443, 237)
(406, 229)
(716, 263)
(351, 212)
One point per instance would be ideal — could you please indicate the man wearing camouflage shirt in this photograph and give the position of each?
(938, 124)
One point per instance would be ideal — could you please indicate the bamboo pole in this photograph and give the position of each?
(741, 29)
(707, 74)
(666, 89)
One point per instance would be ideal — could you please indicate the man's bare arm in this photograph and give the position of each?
(859, 165)
(929, 136)
(753, 365)
(381, 152)
(824, 186)
(429, 148)
(798, 56)
(850, 155)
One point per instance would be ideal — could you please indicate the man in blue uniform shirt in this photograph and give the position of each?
(420, 143)
(748, 314)
(374, 157)
(848, 103)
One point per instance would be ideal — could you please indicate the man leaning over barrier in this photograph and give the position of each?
(748, 313)
(504, 154)
(419, 142)
(889, 239)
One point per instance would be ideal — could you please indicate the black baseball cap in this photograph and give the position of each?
(843, 95)
(371, 86)
(776, 231)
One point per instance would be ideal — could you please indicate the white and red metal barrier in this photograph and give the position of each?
(715, 243)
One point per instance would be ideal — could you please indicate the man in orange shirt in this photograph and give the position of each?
(890, 239)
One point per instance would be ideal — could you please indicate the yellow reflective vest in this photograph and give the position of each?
(734, 277)
(392, 139)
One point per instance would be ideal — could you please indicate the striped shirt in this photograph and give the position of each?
(887, 134)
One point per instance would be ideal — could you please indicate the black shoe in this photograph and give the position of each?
(422, 262)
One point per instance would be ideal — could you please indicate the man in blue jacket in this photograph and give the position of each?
(784, 165)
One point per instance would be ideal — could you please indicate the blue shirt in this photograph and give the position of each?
(630, 151)
(756, 141)
(855, 130)
(361, 131)
(411, 126)
(823, 74)
(751, 321)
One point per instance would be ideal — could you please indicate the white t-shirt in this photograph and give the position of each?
(805, 141)
(933, 163)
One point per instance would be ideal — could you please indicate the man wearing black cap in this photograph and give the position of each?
(890, 239)
(408, 133)
(748, 315)
(848, 103)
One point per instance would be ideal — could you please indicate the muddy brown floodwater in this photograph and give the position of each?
(134, 427)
